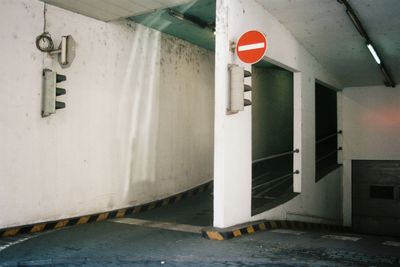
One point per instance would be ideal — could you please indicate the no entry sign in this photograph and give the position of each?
(251, 47)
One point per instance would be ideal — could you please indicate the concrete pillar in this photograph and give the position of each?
(232, 140)
(232, 143)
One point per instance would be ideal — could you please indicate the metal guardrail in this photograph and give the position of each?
(328, 137)
(328, 155)
(274, 180)
(278, 181)
(260, 190)
(276, 156)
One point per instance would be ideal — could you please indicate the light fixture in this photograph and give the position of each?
(388, 80)
(191, 19)
(374, 54)
(357, 23)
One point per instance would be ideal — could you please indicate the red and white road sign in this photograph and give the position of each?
(251, 47)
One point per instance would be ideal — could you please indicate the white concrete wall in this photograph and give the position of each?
(371, 130)
(232, 164)
(138, 124)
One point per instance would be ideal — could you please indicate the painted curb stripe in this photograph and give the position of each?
(237, 233)
(268, 225)
(38, 228)
(11, 232)
(119, 213)
(250, 230)
(60, 224)
(215, 235)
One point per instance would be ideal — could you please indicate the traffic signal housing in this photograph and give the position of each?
(51, 91)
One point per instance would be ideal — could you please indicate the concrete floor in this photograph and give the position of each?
(117, 244)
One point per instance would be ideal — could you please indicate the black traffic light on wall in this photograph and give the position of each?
(51, 91)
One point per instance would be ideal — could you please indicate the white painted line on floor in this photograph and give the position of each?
(391, 243)
(342, 237)
(161, 225)
(251, 47)
(12, 243)
(285, 231)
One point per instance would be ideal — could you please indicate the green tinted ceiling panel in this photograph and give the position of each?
(267, 65)
(198, 12)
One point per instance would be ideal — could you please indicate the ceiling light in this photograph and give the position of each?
(357, 23)
(190, 19)
(374, 54)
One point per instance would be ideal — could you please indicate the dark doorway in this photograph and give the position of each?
(326, 131)
(272, 136)
(376, 196)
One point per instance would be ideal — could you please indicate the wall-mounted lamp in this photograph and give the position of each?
(65, 51)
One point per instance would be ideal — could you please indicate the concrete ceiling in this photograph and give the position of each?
(108, 10)
(325, 30)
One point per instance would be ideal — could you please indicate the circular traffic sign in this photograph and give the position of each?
(251, 47)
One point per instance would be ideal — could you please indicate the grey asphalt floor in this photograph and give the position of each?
(116, 244)
(196, 210)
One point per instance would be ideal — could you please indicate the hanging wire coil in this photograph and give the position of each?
(44, 42)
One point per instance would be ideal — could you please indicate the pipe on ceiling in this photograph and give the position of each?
(357, 24)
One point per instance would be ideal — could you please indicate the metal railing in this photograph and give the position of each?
(328, 137)
(276, 156)
(275, 179)
(260, 189)
(328, 155)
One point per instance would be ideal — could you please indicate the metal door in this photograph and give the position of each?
(376, 196)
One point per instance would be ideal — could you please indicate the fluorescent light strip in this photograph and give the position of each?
(374, 54)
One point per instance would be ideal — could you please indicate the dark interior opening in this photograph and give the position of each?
(382, 192)
(272, 135)
(326, 131)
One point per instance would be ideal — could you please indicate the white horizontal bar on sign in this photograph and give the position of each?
(251, 47)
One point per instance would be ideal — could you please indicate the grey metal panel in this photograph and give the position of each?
(375, 215)
(108, 10)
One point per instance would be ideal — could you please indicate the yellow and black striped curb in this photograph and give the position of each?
(250, 228)
(50, 225)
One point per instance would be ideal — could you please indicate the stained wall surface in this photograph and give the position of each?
(138, 125)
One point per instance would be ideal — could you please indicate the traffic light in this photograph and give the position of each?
(238, 87)
(247, 88)
(51, 91)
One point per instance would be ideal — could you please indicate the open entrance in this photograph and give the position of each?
(272, 136)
